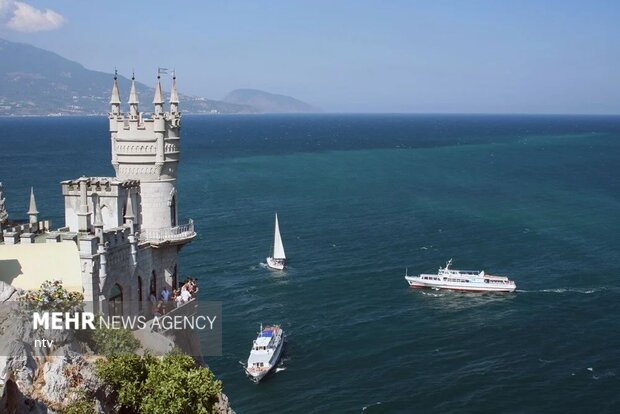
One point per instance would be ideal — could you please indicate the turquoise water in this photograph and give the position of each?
(359, 199)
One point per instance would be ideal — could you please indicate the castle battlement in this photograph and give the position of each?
(82, 195)
(148, 150)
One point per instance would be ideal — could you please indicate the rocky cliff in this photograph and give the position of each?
(34, 381)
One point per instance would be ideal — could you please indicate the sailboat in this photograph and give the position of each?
(278, 258)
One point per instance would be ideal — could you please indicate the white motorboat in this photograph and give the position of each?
(464, 280)
(266, 352)
(277, 260)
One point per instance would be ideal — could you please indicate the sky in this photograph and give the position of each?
(441, 56)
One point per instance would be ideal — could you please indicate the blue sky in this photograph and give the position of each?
(352, 56)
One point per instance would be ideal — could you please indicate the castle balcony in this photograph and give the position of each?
(170, 235)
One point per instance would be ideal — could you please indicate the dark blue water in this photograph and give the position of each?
(361, 197)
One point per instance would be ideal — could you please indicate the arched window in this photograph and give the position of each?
(140, 293)
(115, 301)
(173, 211)
(153, 284)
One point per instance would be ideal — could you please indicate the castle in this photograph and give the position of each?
(124, 229)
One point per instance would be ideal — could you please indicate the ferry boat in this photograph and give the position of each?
(465, 280)
(277, 260)
(266, 352)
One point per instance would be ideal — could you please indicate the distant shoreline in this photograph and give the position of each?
(446, 114)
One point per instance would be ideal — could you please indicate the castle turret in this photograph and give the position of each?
(158, 100)
(148, 150)
(32, 211)
(130, 221)
(174, 96)
(129, 214)
(133, 100)
(114, 116)
(98, 222)
(83, 212)
(115, 99)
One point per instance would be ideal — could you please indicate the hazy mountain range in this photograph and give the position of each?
(267, 102)
(34, 81)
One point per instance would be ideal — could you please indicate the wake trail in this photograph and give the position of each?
(582, 291)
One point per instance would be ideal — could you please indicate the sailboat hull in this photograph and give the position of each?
(276, 264)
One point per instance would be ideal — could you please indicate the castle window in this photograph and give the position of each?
(173, 211)
(154, 284)
(140, 295)
(115, 301)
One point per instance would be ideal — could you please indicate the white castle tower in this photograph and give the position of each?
(148, 150)
(127, 225)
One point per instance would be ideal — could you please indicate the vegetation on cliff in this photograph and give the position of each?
(51, 297)
(174, 384)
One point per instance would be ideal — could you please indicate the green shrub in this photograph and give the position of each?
(173, 384)
(126, 374)
(111, 342)
(81, 406)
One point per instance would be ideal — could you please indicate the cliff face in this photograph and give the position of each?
(33, 381)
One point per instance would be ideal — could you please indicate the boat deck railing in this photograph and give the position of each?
(461, 272)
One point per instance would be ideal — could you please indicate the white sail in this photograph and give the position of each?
(278, 248)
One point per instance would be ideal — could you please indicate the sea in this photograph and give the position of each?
(361, 199)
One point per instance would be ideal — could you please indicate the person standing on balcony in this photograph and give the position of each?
(165, 294)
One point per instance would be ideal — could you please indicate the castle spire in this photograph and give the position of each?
(98, 217)
(158, 100)
(98, 223)
(83, 213)
(115, 99)
(129, 215)
(174, 96)
(129, 207)
(133, 98)
(32, 211)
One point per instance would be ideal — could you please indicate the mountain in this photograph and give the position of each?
(267, 102)
(34, 81)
